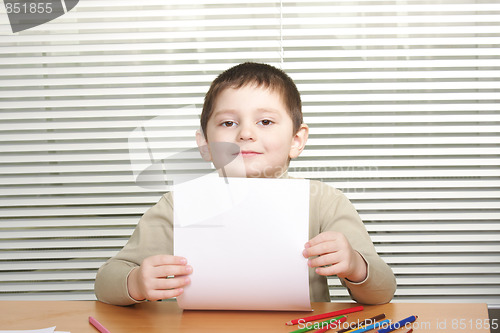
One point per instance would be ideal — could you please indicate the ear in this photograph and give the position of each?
(203, 146)
(299, 141)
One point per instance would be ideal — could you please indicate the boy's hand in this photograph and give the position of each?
(149, 280)
(335, 252)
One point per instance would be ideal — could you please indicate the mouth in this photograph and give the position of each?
(248, 153)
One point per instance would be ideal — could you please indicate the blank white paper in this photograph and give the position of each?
(244, 238)
(43, 330)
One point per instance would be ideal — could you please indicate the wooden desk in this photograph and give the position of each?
(167, 317)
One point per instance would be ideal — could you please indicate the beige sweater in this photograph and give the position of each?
(329, 210)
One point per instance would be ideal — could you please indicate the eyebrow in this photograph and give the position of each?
(217, 112)
(270, 110)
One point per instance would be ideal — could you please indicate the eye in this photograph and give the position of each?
(228, 123)
(266, 122)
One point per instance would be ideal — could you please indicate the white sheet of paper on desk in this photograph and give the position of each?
(244, 238)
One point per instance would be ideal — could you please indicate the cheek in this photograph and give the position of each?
(279, 147)
(216, 135)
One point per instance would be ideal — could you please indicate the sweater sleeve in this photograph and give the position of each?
(338, 214)
(153, 235)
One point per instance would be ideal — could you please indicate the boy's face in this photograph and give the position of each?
(251, 129)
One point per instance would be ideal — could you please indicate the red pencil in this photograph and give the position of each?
(98, 325)
(330, 326)
(324, 315)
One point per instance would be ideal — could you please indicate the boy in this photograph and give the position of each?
(256, 108)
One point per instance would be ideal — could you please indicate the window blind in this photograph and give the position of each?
(401, 98)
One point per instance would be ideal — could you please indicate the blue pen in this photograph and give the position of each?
(372, 326)
(399, 324)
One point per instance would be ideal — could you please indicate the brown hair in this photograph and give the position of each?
(260, 75)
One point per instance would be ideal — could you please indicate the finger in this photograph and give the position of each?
(171, 270)
(172, 283)
(164, 294)
(337, 269)
(323, 237)
(165, 259)
(325, 260)
(321, 248)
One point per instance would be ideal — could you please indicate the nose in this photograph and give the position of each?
(246, 133)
